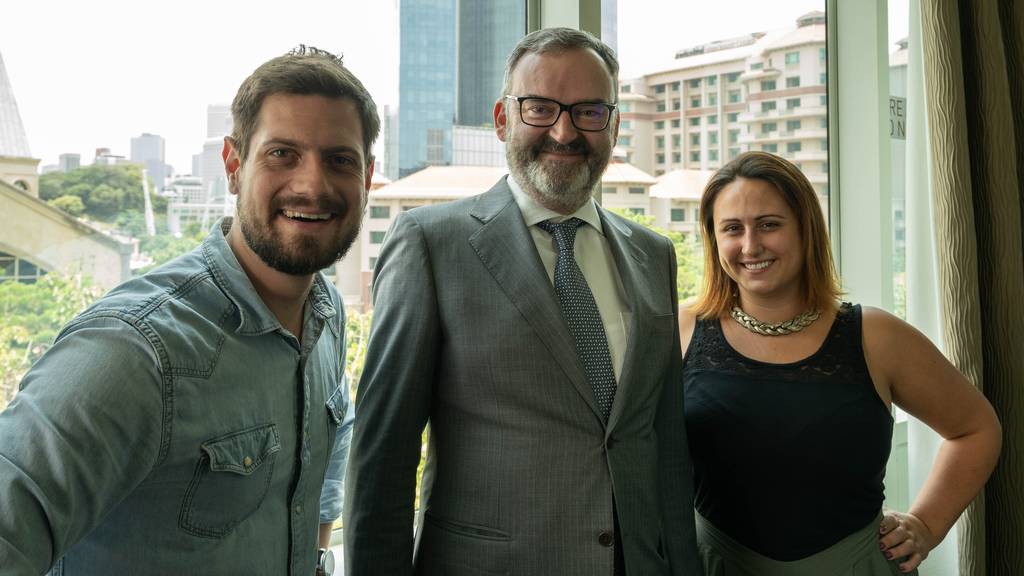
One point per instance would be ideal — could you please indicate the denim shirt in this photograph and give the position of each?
(176, 427)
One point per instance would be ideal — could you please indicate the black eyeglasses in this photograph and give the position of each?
(544, 112)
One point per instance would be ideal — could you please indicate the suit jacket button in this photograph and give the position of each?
(609, 443)
(605, 539)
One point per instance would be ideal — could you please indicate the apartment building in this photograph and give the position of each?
(763, 91)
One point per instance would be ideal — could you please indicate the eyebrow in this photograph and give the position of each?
(296, 144)
(584, 101)
(762, 216)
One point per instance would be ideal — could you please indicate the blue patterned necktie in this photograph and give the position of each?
(581, 313)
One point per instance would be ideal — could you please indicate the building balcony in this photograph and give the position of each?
(762, 74)
(811, 156)
(759, 115)
(751, 138)
(803, 112)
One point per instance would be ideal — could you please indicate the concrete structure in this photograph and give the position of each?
(17, 167)
(675, 200)
(762, 91)
(219, 121)
(37, 238)
(477, 146)
(69, 161)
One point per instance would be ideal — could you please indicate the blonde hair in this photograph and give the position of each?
(819, 281)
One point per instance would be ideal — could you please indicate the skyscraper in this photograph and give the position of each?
(148, 149)
(487, 32)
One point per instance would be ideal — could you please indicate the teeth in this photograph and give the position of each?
(305, 216)
(759, 265)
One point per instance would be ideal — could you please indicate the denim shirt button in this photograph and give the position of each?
(247, 462)
(298, 509)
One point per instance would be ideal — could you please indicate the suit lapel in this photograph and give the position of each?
(507, 250)
(630, 261)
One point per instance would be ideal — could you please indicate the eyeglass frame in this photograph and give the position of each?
(565, 108)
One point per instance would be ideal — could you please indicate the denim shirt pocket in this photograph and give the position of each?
(230, 481)
(336, 405)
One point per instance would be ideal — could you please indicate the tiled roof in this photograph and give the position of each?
(13, 142)
(684, 184)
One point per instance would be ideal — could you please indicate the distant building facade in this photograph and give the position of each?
(149, 151)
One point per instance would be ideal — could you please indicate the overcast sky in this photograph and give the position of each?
(94, 74)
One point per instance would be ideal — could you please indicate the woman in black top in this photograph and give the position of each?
(788, 395)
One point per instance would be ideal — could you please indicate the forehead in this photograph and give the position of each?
(566, 75)
(749, 198)
(311, 120)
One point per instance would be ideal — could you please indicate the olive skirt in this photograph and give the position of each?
(856, 555)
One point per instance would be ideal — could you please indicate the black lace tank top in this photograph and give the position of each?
(788, 458)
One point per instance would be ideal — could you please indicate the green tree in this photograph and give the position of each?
(71, 204)
(106, 191)
(33, 314)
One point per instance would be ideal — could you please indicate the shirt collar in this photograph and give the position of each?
(254, 316)
(534, 213)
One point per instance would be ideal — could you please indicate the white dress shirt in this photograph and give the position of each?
(595, 260)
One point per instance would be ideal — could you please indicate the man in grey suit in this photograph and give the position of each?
(536, 333)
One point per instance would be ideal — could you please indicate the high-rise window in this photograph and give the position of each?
(377, 236)
(792, 125)
(734, 96)
(792, 58)
(793, 82)
(792, 103)
(380, 212)
(767, 85)
(768, 105)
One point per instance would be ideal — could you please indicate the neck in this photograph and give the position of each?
(284, 294)
(772, 308)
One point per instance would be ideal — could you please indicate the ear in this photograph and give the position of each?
(615, 128)
(501, 120)
(232, 163)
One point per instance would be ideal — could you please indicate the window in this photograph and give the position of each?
(769, 127)
(659, 142)
(792, 125)
(768, 105)
(695, 156)
(733, 152)
(695, 102)
(659, 88)
(734, 96)
(380, 212)
(821, 55)
(676, 104)
(695, 83)
(757, 66)
(407, 208)
(372, 262)
(607, 190)
(767, 85)
(694, 139)
(824, 122)
(713, 138)
(677, 157)
(712, 80)
(659, 107)
(695, 121)
(712, 155)
(792, 59)
(823, 100)
(732, 77)
(625, 140)
(659, 124)
(625, 107)
(713, 119)
(625, 89)
(793, 82)
(676, 140)
(824, 145)
(675, 123)
(636, 211)
(377, 236)
(636, 189)
(734, 136)
(675, 86)
(712, 99)
(773, 148)
(659, 158)
(626, 125)
(793, 147)
(792, 103)
(824, 79)
(678, 214)
(733, 117)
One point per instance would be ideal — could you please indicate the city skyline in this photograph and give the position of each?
(117, 98)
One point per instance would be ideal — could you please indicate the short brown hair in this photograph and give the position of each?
(548, 40)
(819, 281)
(304, 70)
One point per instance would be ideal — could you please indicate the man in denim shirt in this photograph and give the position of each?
(186, 422)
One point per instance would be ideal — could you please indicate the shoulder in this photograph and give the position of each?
(687, 322)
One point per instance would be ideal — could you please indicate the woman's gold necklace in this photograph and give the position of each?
(795, 324)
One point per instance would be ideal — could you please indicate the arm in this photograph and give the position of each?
(332, 496)
(83, 432)
(674, 467)
(922, 382)
(392, 407)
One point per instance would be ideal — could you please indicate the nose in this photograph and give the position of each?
(309, 177)
(751, 242)
(563, 131)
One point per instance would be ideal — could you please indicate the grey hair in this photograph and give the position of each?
(556, 40)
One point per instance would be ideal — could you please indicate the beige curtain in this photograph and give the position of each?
(974, 80)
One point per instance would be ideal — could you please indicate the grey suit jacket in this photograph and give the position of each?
(521, 471)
